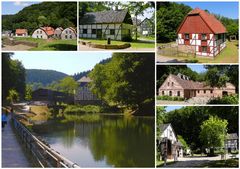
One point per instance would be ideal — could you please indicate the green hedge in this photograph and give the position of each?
(170, 98)
(72, 109)
(231, 99)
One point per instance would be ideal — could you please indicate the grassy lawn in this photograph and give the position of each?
(42, 113)
(134, 44)
(52, 45)
(228, 55)
(151, 37)
(230, 163)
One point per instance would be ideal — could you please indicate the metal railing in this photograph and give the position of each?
(43, 153)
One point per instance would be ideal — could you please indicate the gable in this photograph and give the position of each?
(170, 79)
(169, 134)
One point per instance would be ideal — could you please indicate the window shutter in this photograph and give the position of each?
(190, 36)
(208, 36)
(208, 49)
(200, 36)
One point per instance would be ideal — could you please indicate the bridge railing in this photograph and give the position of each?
(43, 153)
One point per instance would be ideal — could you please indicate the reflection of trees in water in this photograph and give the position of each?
(124, 143)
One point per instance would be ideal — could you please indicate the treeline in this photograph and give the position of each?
(127, 81)
(54, 14)
(171, 14)
(13, 79)
(215, 75)
(187, 121)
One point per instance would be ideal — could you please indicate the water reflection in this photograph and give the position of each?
(114, 141)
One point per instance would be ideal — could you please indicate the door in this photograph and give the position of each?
(99, 34)
(224, 93)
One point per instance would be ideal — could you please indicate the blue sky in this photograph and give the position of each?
(170, 108)
(197, 68)
(66, 62)
(227, 9)
(13, 7)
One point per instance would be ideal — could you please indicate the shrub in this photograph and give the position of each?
(127, 39)
(231, 99)
(170, 98)
(73, 109)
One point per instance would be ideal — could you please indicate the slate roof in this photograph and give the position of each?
(200, 21)
(232, 136)
(111, 16)
(21, 31)
(85, 79)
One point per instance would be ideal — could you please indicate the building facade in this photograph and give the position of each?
(69, 33)
(21, 33)
(43, 33)
(232, 142)
(58, 32)
(116, 25)
(181, 86)
(202, 34)
(83, 95)
(146, 27)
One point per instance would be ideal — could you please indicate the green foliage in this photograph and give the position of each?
(74, 109)
(160, 118)
(171, 98)
(13, 76)
(43, 77)
(28, 93)
(169, 17)
(213, 132)
(13, 96)
(124, 81)
(55, 14)
(231, 99)
(184, 143)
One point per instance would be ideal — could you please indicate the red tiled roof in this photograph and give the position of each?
(21, 31)
(199, 21)
(49, 30)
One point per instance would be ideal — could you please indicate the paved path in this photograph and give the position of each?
(165, 59)
(186, 162)
(12, 153)
(19, 47)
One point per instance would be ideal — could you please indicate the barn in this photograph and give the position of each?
(181, 86)
(43, 33)
(58, 32)
(168, 143)
(146, 27)
(21, 33)
(201, 33)
(69, 33)
(83, 95)
(114, 24)
(232, 142)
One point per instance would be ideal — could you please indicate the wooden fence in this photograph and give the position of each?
(43, 153)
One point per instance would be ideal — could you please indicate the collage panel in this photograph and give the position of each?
(39, 26)
(197, 136)
(86, 111)
(116, 25)
(197, 84)
(197, 32)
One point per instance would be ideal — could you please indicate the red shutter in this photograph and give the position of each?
(200, 48)
(208, 36)
(190, 36)
(183, 36)
(208, 49)
(200, 36)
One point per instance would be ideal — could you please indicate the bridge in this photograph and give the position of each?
(18, 143)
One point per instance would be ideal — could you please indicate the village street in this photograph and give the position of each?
(194, 161)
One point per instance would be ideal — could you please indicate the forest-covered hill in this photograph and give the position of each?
(55, 14)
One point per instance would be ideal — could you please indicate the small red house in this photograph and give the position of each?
(201, 33)
(21, 33)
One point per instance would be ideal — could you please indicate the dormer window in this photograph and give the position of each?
(168, 83)
(172, 83)
(186, 35)
(204, 37)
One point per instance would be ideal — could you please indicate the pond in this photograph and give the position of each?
(112, 141)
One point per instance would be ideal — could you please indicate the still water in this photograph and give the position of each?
(113, 141)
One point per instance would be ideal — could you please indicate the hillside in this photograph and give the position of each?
(53, 14)
(43, 77)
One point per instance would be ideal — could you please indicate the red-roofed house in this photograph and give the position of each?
(21, 33)
(202, 33)
(43, 33)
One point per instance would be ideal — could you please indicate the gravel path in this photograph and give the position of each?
(16, 48)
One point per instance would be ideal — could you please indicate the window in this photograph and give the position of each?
(204, 91)
(198, 91)
(178, 93)
(94, 31)
(41, 32)
(186, 35)
(204, 37)
(170, 93)
(66, 36)
(37, 32)
(84, 31)
(211, 91)
(112, 32)
(172, 83)
(204, 48)
(163, 93)
(66, 32)
(41, 36)
(37, 36)
(70, 36)
(168, 83)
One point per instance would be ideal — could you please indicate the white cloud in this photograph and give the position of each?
(19, 3)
